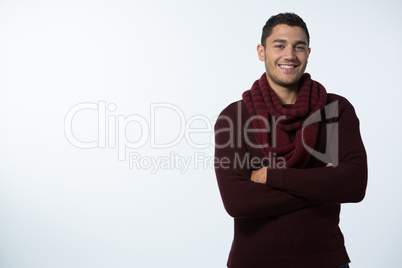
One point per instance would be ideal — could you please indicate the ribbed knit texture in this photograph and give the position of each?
(262, 102)
(292, 221)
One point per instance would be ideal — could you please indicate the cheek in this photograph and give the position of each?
(270, 60)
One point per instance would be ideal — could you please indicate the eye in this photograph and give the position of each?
(280, 46)
(300, 47)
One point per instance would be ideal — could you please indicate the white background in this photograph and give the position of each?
(62, 206)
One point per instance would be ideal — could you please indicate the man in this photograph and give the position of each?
(286, 156)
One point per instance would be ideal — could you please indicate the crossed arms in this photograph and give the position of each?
(265, 192)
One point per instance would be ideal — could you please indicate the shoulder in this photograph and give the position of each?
(342, 106)
(332, 97)
(342, 101)
(234, 113)
(234, 110)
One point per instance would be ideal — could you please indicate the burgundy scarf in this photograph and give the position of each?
(262, 102)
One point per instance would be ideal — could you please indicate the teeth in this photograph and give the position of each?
(287, 66)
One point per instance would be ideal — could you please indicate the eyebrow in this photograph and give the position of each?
(285, 41)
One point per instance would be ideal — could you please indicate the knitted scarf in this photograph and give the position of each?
(265, 107)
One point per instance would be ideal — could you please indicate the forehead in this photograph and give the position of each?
(289, 33)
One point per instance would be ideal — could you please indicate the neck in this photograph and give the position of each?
(286, 95)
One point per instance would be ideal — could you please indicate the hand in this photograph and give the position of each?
(259, 176)
(329, 165)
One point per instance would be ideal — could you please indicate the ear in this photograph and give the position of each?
(261, 52)
(309, 50)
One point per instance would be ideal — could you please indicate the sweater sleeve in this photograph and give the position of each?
(341, 184)
(243, 198)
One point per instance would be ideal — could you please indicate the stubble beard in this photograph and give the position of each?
(281, 83)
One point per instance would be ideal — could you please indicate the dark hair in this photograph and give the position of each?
(290, 19)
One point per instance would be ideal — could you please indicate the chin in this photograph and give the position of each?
(287, 83)
(285, 80)
(291, 80)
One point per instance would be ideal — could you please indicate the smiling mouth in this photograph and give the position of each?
(288, 66)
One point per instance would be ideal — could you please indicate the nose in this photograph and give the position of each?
(289, 53)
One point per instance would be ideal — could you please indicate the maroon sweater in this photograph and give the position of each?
(292, 221)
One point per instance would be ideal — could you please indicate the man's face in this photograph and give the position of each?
(285, 55)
